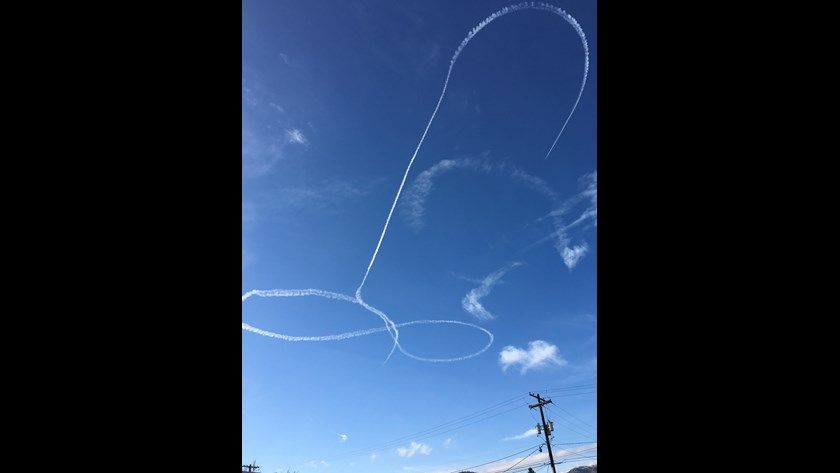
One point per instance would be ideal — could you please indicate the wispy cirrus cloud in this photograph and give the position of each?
(413, 449)
(294, 135)
(572, 254)
(317, 464)
(539, 354)
(268, 132)
(261, 151)
(524, 435)
(413, 206)
(322, 195)
(472, 301)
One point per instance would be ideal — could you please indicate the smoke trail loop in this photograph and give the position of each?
(389, 326)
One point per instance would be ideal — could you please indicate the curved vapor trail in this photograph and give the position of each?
(390, 326)
(504, 11)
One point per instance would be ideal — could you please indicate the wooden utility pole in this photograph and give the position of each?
(545, 428)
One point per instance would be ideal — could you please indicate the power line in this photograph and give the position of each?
(565, 423)
(525, 467)
(581, 458)
(522, 467)
(497, 460)
(523, 459)
(575, 417)
(571, 453)
(571, 394)
(569, 417)
(465, 421)
(393, 442)
(569, 388)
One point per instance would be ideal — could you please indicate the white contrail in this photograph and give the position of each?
(572, 254)
(296, 293)
(390, 326)
(413, 205)
(320, 338)
(442, 360)
(504, 11)
(472, 301)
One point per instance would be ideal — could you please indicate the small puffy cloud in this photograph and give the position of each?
(343, 438)
(526, 434)
(414, 449)
(538, 355)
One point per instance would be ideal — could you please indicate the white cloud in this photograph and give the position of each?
(538, 355)
(260, 153)
(322, 195)
(296, 136)
(372, 456)
(472, 301)
(343, 438)
(414, 449)
(526, 434)
(413, 206)
(571, 256)
(562, 242)
(317, 464)
(447, 442)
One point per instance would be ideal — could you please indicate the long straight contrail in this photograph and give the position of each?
(390, 326)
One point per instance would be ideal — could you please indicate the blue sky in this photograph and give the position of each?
(335, 97)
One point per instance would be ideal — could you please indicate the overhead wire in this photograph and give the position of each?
(436, 430)
(498, 459)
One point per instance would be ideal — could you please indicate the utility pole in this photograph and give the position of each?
(545, 427)
(252, 468)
